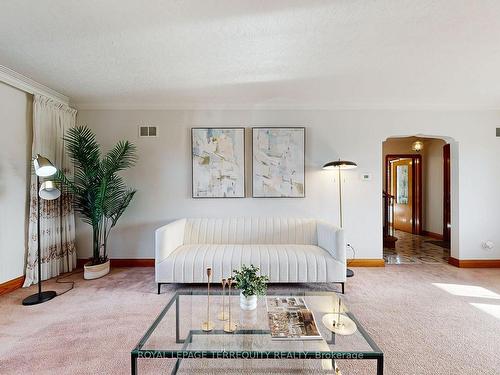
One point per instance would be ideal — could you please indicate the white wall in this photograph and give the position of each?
(15, 145)
(163, 174)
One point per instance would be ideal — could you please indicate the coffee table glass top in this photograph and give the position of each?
(177, 332)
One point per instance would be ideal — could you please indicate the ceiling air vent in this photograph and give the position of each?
(148, 131)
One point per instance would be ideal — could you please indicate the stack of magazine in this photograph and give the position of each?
(290, 319)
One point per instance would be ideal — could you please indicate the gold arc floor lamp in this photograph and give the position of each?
(341, 165)
(47, 191)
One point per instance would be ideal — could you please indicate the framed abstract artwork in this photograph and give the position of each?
(278, 162)
(218, 162)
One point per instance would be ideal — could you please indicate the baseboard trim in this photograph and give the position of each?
(365, 263)
(11, 285)
(117, 262)
(474, 263)
(132, 262)
(436, 236)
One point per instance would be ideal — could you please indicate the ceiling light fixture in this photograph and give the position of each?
(417, 146)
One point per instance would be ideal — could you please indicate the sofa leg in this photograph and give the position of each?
(159, 288)
(343, 284)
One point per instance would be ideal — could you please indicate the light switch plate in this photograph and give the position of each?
(366, 176)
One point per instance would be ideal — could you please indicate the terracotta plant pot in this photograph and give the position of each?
(248, 303)
(91, 272)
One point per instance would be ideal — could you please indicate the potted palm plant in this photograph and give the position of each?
(251, 285)
(99, 193)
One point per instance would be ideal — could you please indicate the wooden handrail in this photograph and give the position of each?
(389, 201)
(385, 194)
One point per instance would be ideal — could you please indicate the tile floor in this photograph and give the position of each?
(415, 249)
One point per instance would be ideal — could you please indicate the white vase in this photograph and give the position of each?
(248, 303)
(247, 318)
(94, 272)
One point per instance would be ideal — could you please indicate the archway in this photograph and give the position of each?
(427, 206)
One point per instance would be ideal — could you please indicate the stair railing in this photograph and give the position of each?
(388, 200)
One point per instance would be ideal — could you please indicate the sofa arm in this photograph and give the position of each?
(331, 238)
(168, 238)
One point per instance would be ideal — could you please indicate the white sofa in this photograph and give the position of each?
(285, 249)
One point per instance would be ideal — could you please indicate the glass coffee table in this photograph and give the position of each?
(177, 333)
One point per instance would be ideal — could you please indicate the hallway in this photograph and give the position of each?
(415, 249)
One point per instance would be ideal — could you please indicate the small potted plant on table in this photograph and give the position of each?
(251, 285)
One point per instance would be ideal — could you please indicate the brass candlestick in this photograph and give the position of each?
(222, 315)
(338, 314)
(208, 325)
(230, 326)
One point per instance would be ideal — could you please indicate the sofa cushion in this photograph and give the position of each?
(250, 230)
(282, 263)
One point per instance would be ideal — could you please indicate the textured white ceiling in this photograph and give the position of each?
(269, 54)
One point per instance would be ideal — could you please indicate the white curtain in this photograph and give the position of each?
(51, 120)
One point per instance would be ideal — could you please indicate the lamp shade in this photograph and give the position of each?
(340, 164)
(43, 167)
(49, 191)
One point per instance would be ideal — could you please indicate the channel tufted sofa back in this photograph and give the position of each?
(250, 230)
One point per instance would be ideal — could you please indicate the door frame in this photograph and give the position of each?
(416, 188)
(447, 193)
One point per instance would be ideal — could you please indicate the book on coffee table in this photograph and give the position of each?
(290, 319)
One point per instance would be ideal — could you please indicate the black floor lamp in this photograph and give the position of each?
(341, 165)
(48, 191)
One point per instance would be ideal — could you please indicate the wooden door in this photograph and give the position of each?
(402, 189)
(446, 194)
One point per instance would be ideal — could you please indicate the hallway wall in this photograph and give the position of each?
(433, 185)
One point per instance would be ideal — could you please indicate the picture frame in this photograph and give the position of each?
(278, 162)
(218, 162)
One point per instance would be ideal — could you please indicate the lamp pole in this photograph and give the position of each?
(349, 272)
(43, 167)
(38, 238)
(340, 199)
(339, 165)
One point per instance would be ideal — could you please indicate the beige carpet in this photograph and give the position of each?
(422, 328)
